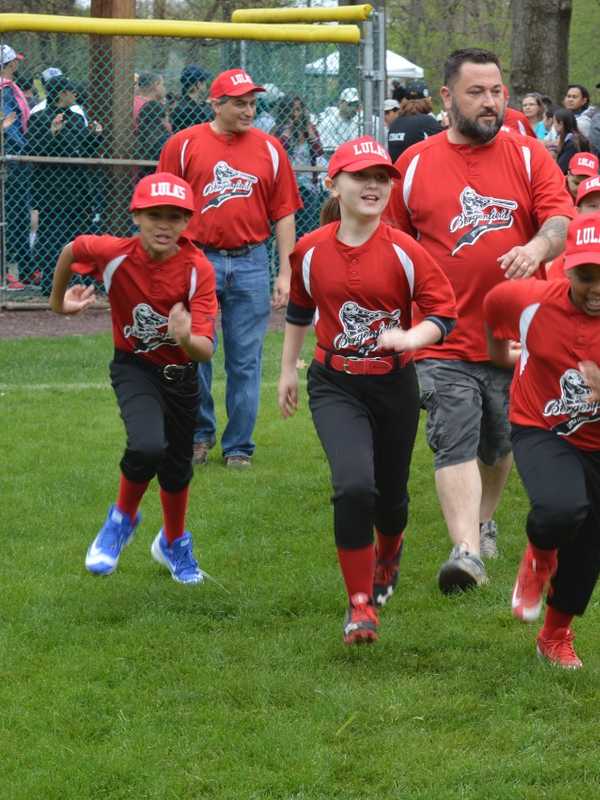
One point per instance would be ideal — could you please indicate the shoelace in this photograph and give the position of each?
(562, 649)
(363, 612)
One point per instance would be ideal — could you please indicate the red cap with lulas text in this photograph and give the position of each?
(358, 154)
(233, 83)
(583, 164)
(583, 241)
(162, 189)
(588, 186)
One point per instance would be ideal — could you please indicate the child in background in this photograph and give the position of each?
(587, 202)
(161, 290)
(581, 166)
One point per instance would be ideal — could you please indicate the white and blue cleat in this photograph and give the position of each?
(178, 558)
(103, 554)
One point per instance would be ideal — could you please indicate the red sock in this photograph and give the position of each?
(130, 495)
(553, 620)
(388, 546)
(358, 569)
(174, 506)
(543, 556)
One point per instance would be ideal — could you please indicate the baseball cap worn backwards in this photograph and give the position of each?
(233, 83)
(390, 105)
(162, 189)
(588, 186)
(350, 95)
(358, 154)
(8, 54)
(583, 164)
(583, 241)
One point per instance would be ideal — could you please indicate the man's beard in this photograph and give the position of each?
(476, 130)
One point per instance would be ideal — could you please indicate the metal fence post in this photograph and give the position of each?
(381, 71)
(367, 76)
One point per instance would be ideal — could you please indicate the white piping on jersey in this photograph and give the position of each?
(316, 317)
(407, 265)
(527, 159)
(408, 179)
(274, 158)
(306, 269)
(525, 321)
(110, 270)
(193, 284)
(182, 157)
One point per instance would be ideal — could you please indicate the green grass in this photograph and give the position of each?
(136, 687)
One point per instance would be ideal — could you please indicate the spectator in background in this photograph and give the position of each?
(150, 87)
(61, 192)
(391, 110)
(533, 108)
(27, 86)
(301, 141)
(570, 139)
(46, 77)
(265, 107)
(338, 124)
(152, 132)
(192, 108)
(415, 121)
(15, 119)
(577, 100)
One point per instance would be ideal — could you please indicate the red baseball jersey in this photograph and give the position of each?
(468, 206)
(142, 292)
(555, 269)
(358, 292)
(548, 390)
(517, 121)
(241, 182)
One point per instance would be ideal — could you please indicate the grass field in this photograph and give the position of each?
(135, 687)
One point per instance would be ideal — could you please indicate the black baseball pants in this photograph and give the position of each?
(563, 485)
(367, 425)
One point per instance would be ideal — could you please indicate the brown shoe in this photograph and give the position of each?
(238, 462)
(200, 456)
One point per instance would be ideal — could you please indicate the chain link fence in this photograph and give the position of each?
(101, 108)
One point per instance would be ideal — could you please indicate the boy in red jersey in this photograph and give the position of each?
(581, 166)
(163, 305)
(358, 278)
(555, 434)
(588, 201)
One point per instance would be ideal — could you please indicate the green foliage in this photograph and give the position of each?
(135, 687)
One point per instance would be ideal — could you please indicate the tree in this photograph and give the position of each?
(540, 47)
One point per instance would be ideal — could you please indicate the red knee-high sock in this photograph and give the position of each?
(544, 556)
(174, 506)
(130, 496)
(358, 569)
(554, 620)
(388, 546)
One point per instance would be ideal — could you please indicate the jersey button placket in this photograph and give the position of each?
(354, 272)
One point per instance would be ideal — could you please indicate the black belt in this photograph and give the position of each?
(170, 373)
(237, 251)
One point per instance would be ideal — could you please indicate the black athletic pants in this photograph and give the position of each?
(563, 485)
(159, 418)
(367, 425)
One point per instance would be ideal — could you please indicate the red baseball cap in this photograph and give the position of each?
(233, 83)
(360, 154)
(162, 189)
(588, 186)
(584, 164)
(583, 241)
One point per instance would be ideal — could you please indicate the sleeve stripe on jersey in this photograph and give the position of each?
(408, 267)
(525, 321)
(306, 269)
(408, 179)
(193, 284)
(527, 160)
(274, 158)
(182, 157)
(110, 270)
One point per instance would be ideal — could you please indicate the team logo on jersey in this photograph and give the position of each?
(361, 327)
(481, 215)
(149, 329)
(573, 401)
(227, 184)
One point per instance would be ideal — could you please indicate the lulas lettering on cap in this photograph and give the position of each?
(583, 241)
(370, 148)
(164, 189)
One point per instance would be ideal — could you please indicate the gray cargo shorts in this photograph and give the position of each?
(467, 410)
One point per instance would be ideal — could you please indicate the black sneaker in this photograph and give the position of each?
(362, 622)
(386, 577)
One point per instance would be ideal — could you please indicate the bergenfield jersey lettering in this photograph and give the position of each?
(142, 292)
(469, 206)
(548, 390)
(358, 292)
(242, 182)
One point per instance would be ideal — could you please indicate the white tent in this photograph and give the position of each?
(396, 66)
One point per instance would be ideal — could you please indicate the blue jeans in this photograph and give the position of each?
(243, 289)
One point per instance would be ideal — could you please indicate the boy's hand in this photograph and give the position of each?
(180, 324)
(78, 298)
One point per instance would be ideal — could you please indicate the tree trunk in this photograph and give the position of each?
(540, 47)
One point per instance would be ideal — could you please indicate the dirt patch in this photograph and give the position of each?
(21, 323)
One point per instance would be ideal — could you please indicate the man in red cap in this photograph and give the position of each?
(243, 183)
(554, 412)
(163, 305)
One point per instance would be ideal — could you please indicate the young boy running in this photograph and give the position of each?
(555, 434)
(163, 304)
